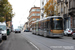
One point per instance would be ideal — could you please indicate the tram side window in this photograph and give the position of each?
(33, 26)
(39, 27)
(45, 25)
(48, 25)
(36, 26)
(42, 25)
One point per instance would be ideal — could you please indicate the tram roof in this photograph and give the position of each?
(47, 18)
(54, 16)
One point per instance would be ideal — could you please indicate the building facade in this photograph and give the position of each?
(34, 14)
(66, 8)
(63, 10)
(72, 13)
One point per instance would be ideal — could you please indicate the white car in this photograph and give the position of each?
(0, 36)
(4, 30)
(68, 32)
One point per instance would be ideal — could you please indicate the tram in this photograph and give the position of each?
(51, 26)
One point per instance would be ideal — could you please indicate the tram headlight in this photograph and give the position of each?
(51, 30)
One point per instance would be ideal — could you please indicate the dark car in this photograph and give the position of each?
(73, 35)
(26, 31)
(17, 31)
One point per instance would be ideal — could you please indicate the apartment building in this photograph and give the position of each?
(34, 14)
(63, 10)
(72, 13)
(66, 8)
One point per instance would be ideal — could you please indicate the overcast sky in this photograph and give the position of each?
(21, 9)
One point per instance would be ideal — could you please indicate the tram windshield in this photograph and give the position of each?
(57, 24)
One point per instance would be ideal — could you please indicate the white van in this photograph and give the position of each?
(4, 30)
(0, 36)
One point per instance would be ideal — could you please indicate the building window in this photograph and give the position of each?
(33, 14)
(33, 10)
(62, 8)
(37, 14)
(37, 19)
(37, 9)
(42, 2)
(73, 21)
(33, 19)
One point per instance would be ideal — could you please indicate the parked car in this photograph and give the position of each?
(0, 36)
(73, 35)
(26, 31)
(68, 32)
(17, 30)
(4, 30)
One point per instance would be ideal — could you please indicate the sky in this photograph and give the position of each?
(21, 9)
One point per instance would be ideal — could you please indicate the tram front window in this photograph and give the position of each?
(57, 25)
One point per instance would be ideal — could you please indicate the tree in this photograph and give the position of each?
(8, 12)
(2, 2)
(5, 11)
(49, 8)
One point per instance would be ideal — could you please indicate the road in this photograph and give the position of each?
(29, 41)
(16, 42)
(42, 43)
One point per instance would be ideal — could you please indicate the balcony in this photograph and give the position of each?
(72, 7)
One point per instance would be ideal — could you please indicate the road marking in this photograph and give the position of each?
(34, 45)
(30, 42)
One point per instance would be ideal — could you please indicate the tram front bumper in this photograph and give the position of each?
(56, 35)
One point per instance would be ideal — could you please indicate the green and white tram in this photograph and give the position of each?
(51, 26)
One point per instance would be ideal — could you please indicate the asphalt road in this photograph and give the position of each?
(16, 42)
(29, 41)
(42, 43)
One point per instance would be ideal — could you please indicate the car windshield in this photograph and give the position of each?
(17, 29)
(3, 27)
(68, 29)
